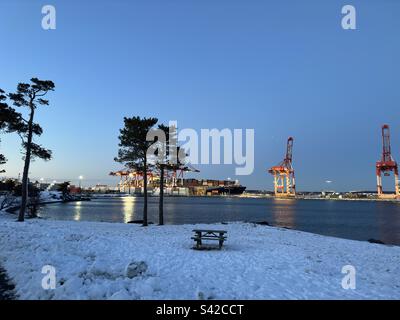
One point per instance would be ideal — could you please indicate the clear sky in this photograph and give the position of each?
(283, 68)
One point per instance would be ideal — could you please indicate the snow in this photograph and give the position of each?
(14, 202)
(50, 196)
(257, 262)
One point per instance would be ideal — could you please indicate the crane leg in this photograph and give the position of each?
(379, 182)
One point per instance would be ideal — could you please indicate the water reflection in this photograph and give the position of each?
(77, 211)
(128, 208)
(387, 231)
(172, 215)
(283, 212)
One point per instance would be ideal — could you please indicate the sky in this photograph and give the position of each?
(283, 68)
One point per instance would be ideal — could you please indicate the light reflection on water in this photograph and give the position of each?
(385, 233)
(128, 204)
(78, 208)
(359, 220)
(283, 212)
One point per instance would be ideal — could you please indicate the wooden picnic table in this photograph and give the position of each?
(204, 234)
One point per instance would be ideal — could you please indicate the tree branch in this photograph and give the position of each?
(21, 136)
(41, 95)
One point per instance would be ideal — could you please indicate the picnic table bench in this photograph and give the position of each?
(200, 234)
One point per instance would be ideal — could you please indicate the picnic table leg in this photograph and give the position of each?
(221, 240)
(198, 241)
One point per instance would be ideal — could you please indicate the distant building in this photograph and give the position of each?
(100, 188)
(41, 185)
(74, 189)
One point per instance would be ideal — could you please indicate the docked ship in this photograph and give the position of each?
(175, 185)
(227, 190)
(214, 187)
(194, 187)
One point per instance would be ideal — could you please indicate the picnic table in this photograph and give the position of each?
(201, 234)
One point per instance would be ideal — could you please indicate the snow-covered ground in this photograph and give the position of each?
(50, 196)
(257, 262)
(10, 201)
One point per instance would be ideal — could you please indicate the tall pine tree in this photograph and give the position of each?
(30, 96)
(133, 148)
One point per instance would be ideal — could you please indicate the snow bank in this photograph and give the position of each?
(258, 262)
(14, 202)
(50, 196)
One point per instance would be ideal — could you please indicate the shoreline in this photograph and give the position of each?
(101, 196)
(369, 235)
(312, 198)
(13, 209)
(261, 223)
(242, 196)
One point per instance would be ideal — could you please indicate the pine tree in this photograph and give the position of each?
(30, 96)
(172, 159)
(133, 148)
(162, 166)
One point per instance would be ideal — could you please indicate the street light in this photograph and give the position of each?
(80, 183)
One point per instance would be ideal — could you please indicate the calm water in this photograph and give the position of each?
(359, 220)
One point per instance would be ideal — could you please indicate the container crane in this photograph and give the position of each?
(386, 165)
(283, 173)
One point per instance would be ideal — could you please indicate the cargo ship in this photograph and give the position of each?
(213, 187)
(194, 187)
(226, 190)
(132, 183)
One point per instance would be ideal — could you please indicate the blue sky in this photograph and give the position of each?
(283, 68)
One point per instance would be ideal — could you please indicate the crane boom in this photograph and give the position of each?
(289, 150)
(386, 150)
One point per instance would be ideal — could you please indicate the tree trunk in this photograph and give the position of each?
(161, 204)
(145, 193)
(24, 186)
